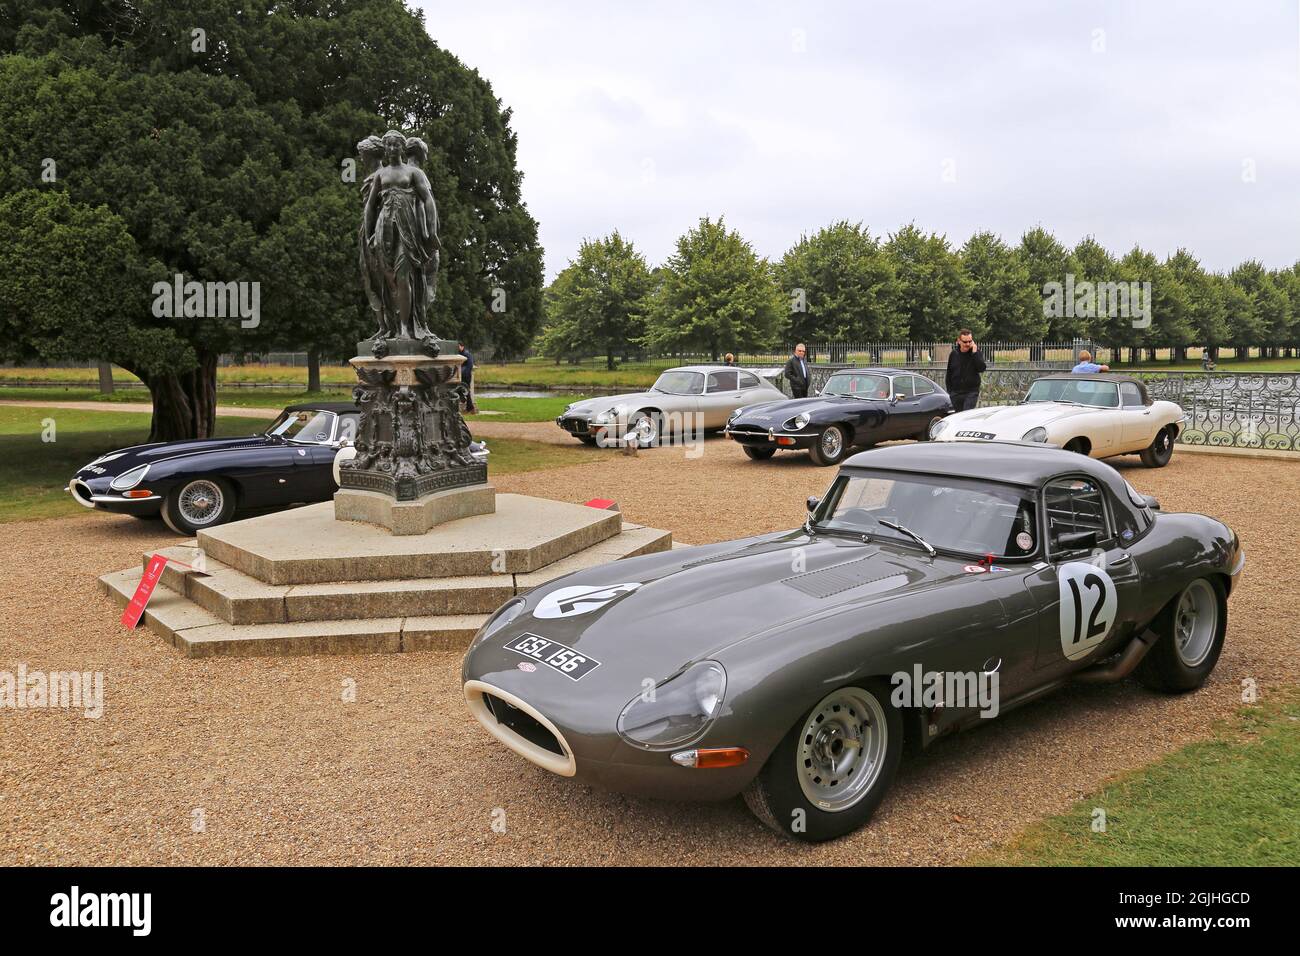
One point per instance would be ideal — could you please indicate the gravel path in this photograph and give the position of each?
(284, 770)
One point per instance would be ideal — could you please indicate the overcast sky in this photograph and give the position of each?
(1137, 122)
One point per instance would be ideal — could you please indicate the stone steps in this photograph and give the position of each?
(268, 588)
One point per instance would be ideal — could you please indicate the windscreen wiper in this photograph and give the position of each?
(911, 534)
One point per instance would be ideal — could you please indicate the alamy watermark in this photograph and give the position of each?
(930, 689)
(66, 690)
(180, 299)
(1091, 300)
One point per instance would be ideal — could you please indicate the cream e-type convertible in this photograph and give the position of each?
(1096, 415)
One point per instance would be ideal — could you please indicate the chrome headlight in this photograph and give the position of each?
(129, 479)
(677, 710)
(1035, 434)
(937, 428)
(799, 421)
(610, 415)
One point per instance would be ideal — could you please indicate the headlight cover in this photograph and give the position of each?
(501, 617)
(679, 710)
(129, 479)
(609, 415)
(799, 421)
(937, 428)
(1038, 434)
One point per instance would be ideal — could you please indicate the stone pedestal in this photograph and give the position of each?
(413, 469)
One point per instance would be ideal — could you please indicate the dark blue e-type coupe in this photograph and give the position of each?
(199, 484)
(857, 408)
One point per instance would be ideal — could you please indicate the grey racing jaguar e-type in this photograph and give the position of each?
(778, 666)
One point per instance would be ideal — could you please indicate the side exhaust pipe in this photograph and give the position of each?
(1124, 664)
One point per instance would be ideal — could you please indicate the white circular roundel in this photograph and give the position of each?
(568, 602)
(1088, 607)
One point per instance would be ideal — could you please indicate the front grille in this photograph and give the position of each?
(526, 726)
(575, 426)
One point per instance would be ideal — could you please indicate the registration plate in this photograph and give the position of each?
(987, 436)
(558, 657)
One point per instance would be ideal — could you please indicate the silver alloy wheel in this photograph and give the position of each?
(1196, 622)
(200, 502)
(842, 749)
(646, 430)
(832, 443)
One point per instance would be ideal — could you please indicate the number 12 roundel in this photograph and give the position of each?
(1088, 607)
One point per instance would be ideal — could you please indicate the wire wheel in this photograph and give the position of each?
(1196, 622)
(841, 749)
(832, 443)
(646, 430)
(201, 502)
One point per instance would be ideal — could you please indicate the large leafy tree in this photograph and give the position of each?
(1266, 314)
(1047, 261)
(1205, 319)
(935, 292)
(716, 294)
(1004, 302)
(840, 286)
(218, 133)
(601, 299)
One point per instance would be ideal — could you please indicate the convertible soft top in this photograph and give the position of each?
(1099, 377)
(1019, 463)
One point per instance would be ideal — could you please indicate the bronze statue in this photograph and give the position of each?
(398, 239)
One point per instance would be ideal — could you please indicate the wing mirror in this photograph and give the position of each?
(813, 502)
(1075, 541)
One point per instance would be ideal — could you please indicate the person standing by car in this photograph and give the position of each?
(1087, 366)
(965, 366)
(728, 360)
(796, 372)
(467, 377)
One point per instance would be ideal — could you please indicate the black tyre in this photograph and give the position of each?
(831, 446)
(1161, 449)
(830, 772)
(1191, 631)
(758, 454)
(1077, 445)
(924, 434)
(198, 504)
(587, 439)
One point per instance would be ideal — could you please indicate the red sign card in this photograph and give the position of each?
(609, 504)
(144, 590)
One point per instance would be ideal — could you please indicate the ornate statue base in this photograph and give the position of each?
(413, 469)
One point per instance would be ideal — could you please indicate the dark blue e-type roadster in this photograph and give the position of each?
(857, 408)
(198, 484)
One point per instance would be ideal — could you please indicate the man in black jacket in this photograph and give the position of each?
(965, 365)
(796, 372)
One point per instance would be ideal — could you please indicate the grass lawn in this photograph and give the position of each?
(1230, 801)
(33, 473)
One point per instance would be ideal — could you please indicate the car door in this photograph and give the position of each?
(1087, 592)
(721, 397)
(1138, 424)
(904, 408)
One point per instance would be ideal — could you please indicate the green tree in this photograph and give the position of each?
(1264, 320)
(840, 286)
(601, 298)
(1002, 298)
(716, 295)
(1205, 321)
(205, 146)
(934, 291)
(1048, 263)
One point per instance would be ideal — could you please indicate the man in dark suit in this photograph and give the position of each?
(796, 372)
(965, 366)
(467, 377)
